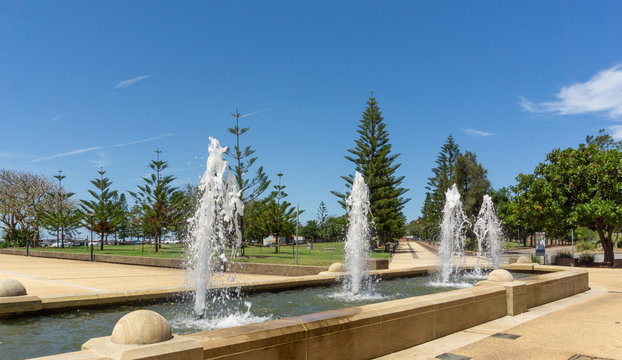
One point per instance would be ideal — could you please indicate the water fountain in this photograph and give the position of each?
(488, 231)
(358, 236)
(452, 236)
(214, 226)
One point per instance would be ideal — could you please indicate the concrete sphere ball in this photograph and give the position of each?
(500, 275)
(11, 287)
(524, 260)
(336, 267)
(141, 327)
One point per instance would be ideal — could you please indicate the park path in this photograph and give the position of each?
(410, 254)
(45, 277)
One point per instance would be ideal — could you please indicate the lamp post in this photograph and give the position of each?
(92, 225)
(297, 210)
(572, 242)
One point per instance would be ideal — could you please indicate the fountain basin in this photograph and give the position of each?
(473, 304)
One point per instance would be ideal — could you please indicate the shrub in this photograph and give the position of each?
(585, 246)
(586, 259)
(507, 245)
(561, 255)
(536, 259)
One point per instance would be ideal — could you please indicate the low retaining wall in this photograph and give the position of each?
(275, 269)
(243, 268)
(357, 333)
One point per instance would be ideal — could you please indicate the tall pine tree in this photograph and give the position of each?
(372, 157)
(158, 201)
(441, 181)
(243, 160)
(99, 215)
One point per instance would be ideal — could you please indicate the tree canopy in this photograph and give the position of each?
(575, 187)
(372, 158)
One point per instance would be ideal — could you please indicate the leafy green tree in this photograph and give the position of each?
(441, 181)
(472, 182)
(158, 201)
(576, 187)
(64, 217)
(279, 214)
(123, 217)
(24, 199)
(311, 230)
(187, 201)
(99, 214)
(336, 227)
(243, 159)
(604, 141)
(254, 226)
(372, 157)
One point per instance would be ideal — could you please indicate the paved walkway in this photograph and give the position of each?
(45, 277)
(585, 326)
(411, 253)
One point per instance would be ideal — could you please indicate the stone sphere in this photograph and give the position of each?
(11, 287)
(500, 275)
(524, 260)
(336, 267)
(141, 327)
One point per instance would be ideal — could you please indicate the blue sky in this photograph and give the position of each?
(89, 84)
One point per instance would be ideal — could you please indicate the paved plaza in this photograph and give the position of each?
(45, 277)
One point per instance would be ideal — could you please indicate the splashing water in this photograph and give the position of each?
(214, 226)
(487, 228)
(358, 236)
(452, 235)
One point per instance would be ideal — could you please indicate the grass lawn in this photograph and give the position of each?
(323, 254)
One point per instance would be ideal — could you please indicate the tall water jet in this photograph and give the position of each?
(214, 226)
(359, 234)
(452, 235)
(487, 228)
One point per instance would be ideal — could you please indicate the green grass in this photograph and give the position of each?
(321, 255)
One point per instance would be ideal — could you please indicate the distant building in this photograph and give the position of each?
(271, 240)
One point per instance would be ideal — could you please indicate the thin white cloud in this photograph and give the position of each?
(253, 113)
(600, 94)
(12, 155)
(474, 132)
(132, 81)
(56, 118)
(102, 162)
(616, 132)
(93, 148)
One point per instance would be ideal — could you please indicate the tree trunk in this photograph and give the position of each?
(101, 242)
(605, 240)
(155, 240)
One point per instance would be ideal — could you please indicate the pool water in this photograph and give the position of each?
(39, 335)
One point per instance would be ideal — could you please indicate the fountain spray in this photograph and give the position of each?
(359, 234)
(214, 226)
(487, 228)
(452, 234)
